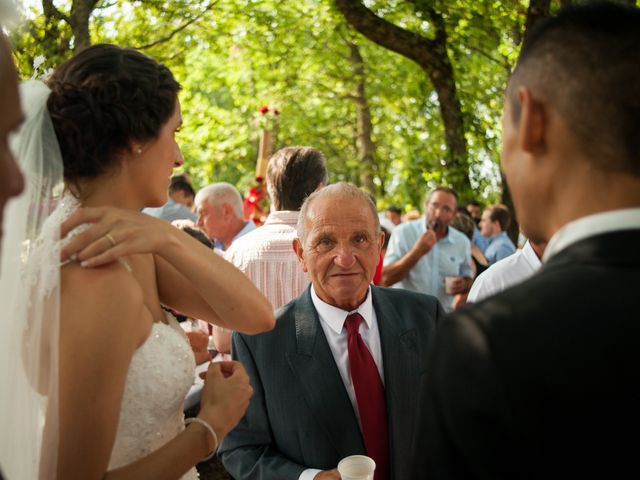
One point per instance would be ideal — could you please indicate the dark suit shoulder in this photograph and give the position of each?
(401, 296)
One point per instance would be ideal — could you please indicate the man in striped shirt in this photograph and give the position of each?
(266, 255)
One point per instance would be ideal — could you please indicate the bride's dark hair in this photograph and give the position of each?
(104, 98)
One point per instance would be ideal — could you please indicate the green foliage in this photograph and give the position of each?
(232, 56)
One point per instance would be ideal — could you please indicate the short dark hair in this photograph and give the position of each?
(448, 190)
(198, 234)
(394, 209)
(500, 214)
(101, 100)
(294, 173)
(182, 186)
(586, 63)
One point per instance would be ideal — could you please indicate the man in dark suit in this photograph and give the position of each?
(543, 380)
(338, 374)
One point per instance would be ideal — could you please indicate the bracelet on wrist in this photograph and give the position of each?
(210, 429)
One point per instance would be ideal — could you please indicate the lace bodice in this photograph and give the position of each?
(160, 375)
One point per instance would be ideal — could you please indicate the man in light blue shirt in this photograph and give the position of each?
(495, 221)
(180, 203)
(423, 252)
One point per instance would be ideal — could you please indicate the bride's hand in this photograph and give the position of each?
(225, 396)
(114, 233)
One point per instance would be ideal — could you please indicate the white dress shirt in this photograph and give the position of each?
(591, 225)
(332, 322)
(503, 274)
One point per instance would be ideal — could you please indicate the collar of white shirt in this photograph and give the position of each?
(598, 223)
(530, 256)
(335, 317)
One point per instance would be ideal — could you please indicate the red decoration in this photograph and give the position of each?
(255, 207)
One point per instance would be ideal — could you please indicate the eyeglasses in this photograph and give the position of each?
(443, 208)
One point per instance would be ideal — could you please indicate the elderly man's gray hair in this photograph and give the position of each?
(222, 192)
(340, 190)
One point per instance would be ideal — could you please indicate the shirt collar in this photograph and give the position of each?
(283, 217)
(249, 226)
(591, 225)
(335, 317)
(530, 256)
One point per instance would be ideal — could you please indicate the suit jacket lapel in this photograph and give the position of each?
(400, 357)
(321, 383)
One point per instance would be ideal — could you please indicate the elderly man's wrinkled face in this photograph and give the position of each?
(211, 219)
(11, 181)
(341, 250)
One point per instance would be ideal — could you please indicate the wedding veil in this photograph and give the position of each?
(29, 298)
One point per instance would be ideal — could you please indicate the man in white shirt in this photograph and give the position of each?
(266, 255)
(542, 380)
(220, 215)
(507, 272)
(338, 374)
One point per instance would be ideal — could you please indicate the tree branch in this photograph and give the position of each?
(50, 11)
(177, 30)
(385, 33)
(170, 36)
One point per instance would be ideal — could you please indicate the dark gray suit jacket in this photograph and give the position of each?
(300, 415)
(542, 380)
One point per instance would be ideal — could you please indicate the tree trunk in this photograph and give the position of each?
(432, 56)
(79, 22)
(366, 148)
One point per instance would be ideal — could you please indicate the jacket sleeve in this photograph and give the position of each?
(248, 452)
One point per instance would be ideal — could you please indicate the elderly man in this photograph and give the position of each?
(493, 226)
(266, 255)
(423, 252)
(219, 208)
(542, 380)
(337, 375)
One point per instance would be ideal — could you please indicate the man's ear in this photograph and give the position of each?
(226, 210)
(380, 242)
(533, 122)
(297, 247)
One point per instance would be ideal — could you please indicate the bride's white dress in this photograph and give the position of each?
(161, 372)
(160, 375)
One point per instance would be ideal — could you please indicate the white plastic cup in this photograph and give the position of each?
(448, 283)
(356, 467)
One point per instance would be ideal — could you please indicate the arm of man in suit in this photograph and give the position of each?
(247, 452)
(465, 421)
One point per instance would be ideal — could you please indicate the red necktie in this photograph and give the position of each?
(370, 397)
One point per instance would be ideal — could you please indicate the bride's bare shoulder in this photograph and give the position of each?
(106, 297)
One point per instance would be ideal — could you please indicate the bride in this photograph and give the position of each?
(92, 337)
